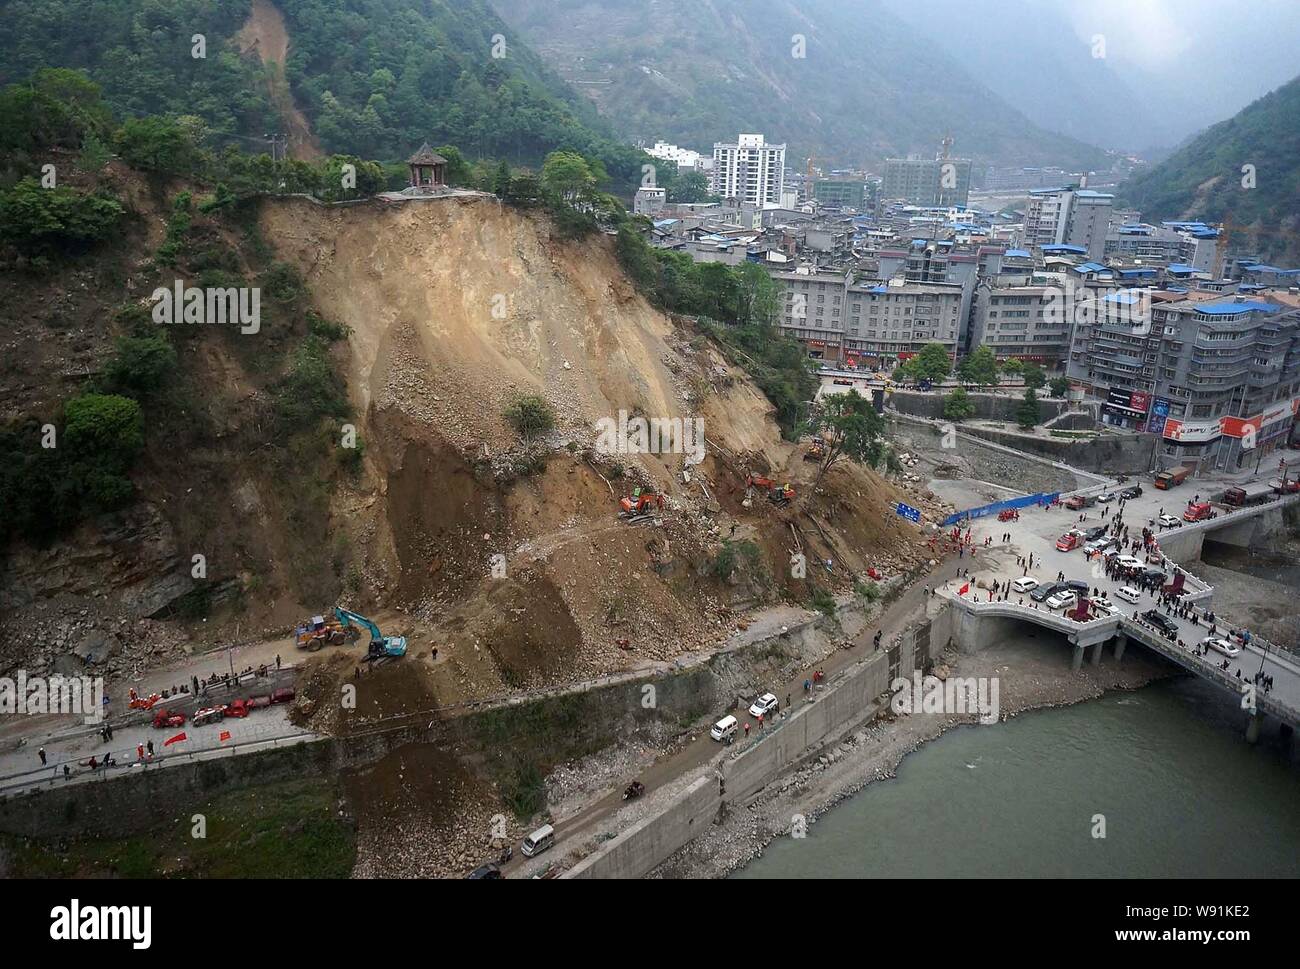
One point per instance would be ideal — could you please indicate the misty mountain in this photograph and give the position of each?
(698, 71)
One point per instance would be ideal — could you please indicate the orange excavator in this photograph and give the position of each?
(641, 506)
(776, 494)
(320, 631)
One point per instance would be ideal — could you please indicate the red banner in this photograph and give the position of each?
(964, 589)
(174, 740)
(223, 736)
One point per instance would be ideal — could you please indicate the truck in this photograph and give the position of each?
(1075, 502)
(1247, 495)
(1172, 478)
(1199, 512)
(1288, 487)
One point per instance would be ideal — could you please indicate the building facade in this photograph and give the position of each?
(927, 181)
(750, 170)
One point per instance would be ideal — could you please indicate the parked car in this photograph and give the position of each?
(1094, 533)
(283, 695)
(208, 715)
(1169, 521)
(763, 706)
(168, 718)
(236, 708)
(1128, 562)
(486, 871)
(1221, 645)
(1100, 544)
(1045, 592)
(1106, 496)
(1131, 492)
(1155, 575)
(1101, 606)
(1024, 584)
(1167, 626)
(724, 728)
(1128, 594)
(1078, 585)
(1063, 599)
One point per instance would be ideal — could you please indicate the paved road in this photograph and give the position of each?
(1035, 535)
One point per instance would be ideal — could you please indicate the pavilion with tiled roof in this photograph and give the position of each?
(428, 168)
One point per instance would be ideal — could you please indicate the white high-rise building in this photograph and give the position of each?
(749, 171)
(681, 157)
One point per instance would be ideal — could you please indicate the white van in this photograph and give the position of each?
(538, 841)
(724, 728)
(1128, 594)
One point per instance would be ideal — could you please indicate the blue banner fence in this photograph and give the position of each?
(1010, 504)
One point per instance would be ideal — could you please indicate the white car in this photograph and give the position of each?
(1103, 606)
(1169, 521)
(1062, 600)
(1129, 594)
(1220, 645)
(763, 706)
(1128, 562)
(1024, 584)
(1106, 496)
(1099, 545)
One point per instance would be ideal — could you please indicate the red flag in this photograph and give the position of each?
(174, 740)
(964, 589)
(223, 736)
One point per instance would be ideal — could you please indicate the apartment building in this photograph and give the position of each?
(1191, 244)
(1217, 377)
(871, 323)
(749, 170)
(927, 181)
(1069, 216)
(1030, 323)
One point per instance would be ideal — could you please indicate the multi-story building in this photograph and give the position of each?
(750, 170)
(649, 200)
(1030, 323)
(1069, 216)
(683, 158)
(840, 318)
(927, 181)
(1217, 377)
(1185, 243)
(841, 193)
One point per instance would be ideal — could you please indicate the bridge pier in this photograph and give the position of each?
(1121, 641)
(1254, 722)
(1076, 661)
(1094, 657)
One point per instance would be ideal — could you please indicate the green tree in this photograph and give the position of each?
(980, 368)
(531, 416)
(102, 433)
(1012, 365)
(957, 405)
(142, 364)
(567, 174)
(158, 145)
(1027, 412)
(758, 297)
(851, 428)
(1034, 376)
(932, 363)
(1059, 386)
(34, 218)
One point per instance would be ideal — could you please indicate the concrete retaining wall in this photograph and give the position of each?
(988, 407)
(846, 703)
(1121, 453)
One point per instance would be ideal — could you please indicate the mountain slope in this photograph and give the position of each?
(699, 71)
(375, 78)
(1204, 179)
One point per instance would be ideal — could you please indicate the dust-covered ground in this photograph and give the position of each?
(1032, 672)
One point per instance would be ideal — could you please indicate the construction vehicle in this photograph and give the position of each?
(776, 494)
(641, 506)
(381, 647)
(1173, 477)
(816, 450)
(320, 631)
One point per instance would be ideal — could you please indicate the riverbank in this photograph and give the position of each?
(1033, 673)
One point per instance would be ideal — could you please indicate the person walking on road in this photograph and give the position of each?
(41, 754)
(746, 728)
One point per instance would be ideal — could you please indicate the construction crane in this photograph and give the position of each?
(381, 647)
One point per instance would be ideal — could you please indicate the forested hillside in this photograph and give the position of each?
(1205, 178)
(374, 77)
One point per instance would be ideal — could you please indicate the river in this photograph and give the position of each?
(1166, 767)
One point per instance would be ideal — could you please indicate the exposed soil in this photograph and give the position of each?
(265, 36)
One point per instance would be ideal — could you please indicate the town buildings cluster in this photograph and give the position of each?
(1164, 325)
